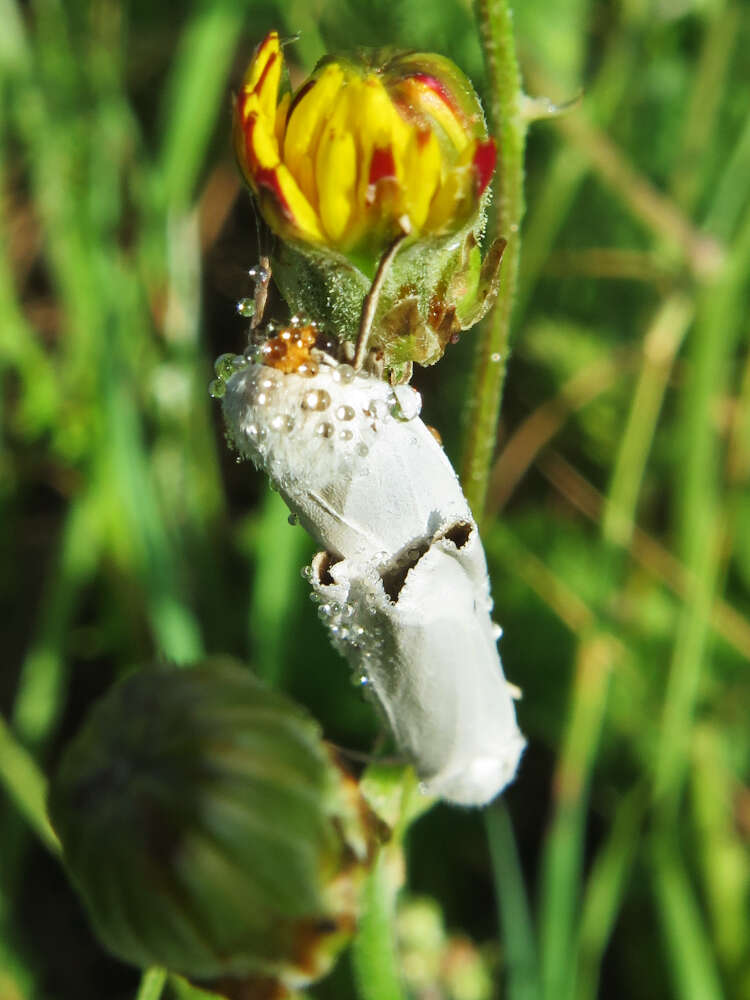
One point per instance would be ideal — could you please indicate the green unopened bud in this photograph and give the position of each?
(209, 828)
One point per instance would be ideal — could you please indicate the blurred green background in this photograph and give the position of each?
(619, 541)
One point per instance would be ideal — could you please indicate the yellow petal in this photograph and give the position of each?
(267, 49)
(430, 103)
(296, 207)
(450, 201)
(267, 88)
(281, 113)
(422, 165)
(262, 151)
(378, 127)
(309, 114)
(336, 174)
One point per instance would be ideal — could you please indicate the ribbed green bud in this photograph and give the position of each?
(209, 829)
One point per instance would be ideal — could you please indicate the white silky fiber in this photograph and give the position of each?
(402, 582)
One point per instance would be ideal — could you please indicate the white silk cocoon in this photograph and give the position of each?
(402, 584)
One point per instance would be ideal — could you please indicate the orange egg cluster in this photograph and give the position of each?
(289, 350)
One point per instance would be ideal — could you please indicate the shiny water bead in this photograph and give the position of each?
(224, 366)
(246, 308)
(405, 402)
(344, 374)
(345, 412)
(316, 399)
(308, 369)
(324, 429)
(282, 422)
(378, 408)
(259, 273)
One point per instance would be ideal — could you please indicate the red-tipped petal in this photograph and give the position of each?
(485, 157)
(439, 88)
(382, 166)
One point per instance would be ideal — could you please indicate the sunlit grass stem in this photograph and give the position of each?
(485, 392)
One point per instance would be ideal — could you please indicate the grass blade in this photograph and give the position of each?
(519, 946)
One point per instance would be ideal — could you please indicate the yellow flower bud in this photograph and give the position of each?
(363, 152)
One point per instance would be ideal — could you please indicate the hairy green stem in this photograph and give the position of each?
(376, 969)
(483, 407)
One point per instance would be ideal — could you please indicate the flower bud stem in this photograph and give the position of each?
(483, 400)
(370, 304)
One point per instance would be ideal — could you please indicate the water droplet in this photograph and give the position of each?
(224, 365)
(364, 681)
(346, 435)
(362, 450)
(316, 399)
(324, 612)
(345, 413)
(306, 573)
(324, 429)
(495, 357)
(246, 308)
(252, 431)
(293, 519)
(496, 631)
(378, 408)
(344, 374)
(259, 273)
(217, 388)
(405, 402)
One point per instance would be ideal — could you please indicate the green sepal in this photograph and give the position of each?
(434, 289)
